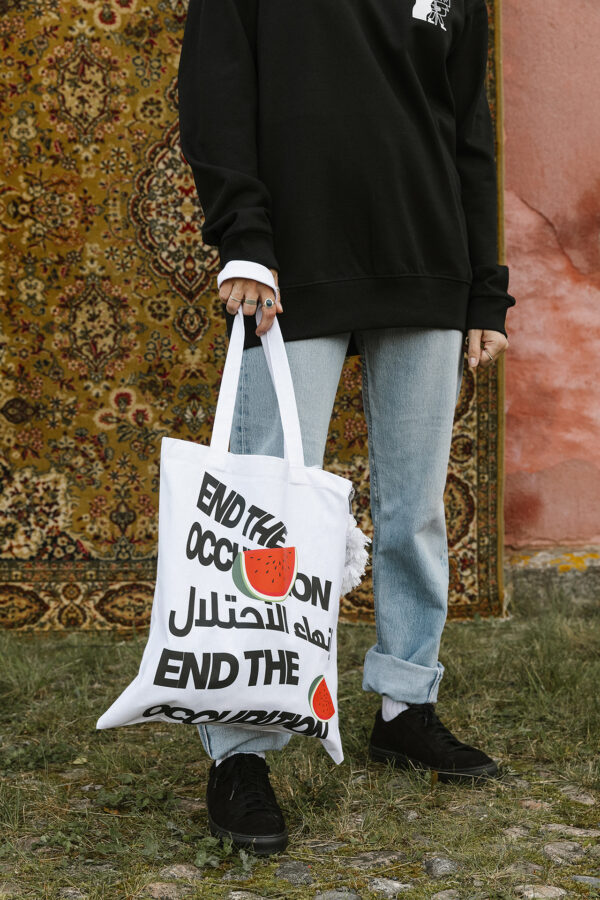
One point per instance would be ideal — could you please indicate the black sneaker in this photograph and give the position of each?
(242, 805)
(416, 738)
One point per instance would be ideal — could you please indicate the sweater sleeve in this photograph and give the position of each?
(475, 158)
(217, 88)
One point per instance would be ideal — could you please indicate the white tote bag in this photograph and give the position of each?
(254, 553)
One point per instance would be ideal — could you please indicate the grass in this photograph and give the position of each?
(102, 813)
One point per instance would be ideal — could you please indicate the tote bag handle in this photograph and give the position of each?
(279, 368)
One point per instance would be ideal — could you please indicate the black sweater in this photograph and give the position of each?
(349, 145)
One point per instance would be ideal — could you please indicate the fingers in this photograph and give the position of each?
(268, 312)
(236, 291)
(484, 347)
(250, 294)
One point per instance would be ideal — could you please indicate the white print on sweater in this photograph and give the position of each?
(433, 11)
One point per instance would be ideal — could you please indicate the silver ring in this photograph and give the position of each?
(485, 350)
(250, 302)
(268, 302)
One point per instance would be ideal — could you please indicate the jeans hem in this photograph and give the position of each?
(218, 740)
(401, 680)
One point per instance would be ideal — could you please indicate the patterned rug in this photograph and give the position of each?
(112, 332)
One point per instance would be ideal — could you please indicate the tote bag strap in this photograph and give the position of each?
(279, 368)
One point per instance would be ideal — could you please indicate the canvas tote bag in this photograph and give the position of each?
(254, 553)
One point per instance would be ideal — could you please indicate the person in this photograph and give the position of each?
(343, 156)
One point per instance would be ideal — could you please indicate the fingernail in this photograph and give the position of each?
(472, 360)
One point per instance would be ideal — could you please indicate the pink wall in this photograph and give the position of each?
(551, 65)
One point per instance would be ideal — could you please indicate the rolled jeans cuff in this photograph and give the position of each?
(399, 679)
(218, 740)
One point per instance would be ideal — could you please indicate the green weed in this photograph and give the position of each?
(107, 811)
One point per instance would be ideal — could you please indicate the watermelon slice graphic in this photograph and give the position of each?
(267, 574)
(320, 700)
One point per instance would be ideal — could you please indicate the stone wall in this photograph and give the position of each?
(552, 217)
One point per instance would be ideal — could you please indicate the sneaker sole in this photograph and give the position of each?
(401, 761)
(260, 844)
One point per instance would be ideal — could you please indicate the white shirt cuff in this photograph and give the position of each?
(243, 268)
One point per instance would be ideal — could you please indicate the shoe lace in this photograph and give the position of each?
(251, 782)
(431, 720)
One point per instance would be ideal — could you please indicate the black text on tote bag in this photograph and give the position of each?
(254, 552)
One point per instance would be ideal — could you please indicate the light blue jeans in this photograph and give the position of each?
(411, 383)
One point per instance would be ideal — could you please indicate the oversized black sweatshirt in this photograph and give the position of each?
(349, 145)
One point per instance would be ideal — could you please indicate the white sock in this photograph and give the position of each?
(220, 759)
(391, 708)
